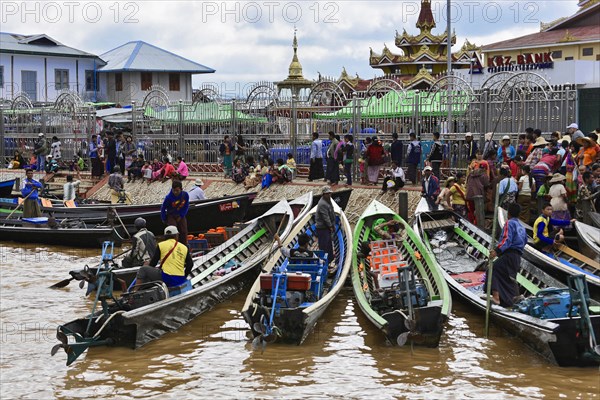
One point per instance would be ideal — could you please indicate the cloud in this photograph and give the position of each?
(252, 41)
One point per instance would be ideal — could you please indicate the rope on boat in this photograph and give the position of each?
(106, 322)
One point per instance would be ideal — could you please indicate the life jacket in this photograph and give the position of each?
(539, 220)
(175, 263)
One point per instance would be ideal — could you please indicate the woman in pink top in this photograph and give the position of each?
(182, 169)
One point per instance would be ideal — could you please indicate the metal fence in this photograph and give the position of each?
(507, 103)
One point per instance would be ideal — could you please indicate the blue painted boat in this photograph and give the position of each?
(6, 187)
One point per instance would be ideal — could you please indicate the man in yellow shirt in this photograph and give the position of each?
(175, 262)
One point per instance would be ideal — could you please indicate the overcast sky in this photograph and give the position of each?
(251, 41)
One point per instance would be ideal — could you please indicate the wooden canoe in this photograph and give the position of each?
(296, 318)
(559, 340)
(211, 283)
(387, 314)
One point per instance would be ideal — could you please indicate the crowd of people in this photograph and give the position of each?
(562, 172)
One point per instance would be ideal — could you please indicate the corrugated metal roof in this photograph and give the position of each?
(555, 37)
(142, 56)
(39, 44)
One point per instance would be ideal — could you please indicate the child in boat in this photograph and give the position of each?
(392, 231)
(544, 233)
(301, 251)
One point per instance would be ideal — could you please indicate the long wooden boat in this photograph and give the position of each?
(300, 207)
(341, 197)
(595, 217)
(6, 187)
(37, 230)
(202, 215)
(589, 240)
(562, 262)
(289, 311)
(139, 317)
(384, 302)
(461, 249)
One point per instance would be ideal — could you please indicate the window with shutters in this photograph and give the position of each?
(61, 79)
(146, 80)
(119, 82)
(174, 82)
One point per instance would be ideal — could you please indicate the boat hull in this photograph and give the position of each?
(556, 340)
(87, 238)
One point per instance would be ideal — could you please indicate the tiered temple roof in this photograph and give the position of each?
(422, 56)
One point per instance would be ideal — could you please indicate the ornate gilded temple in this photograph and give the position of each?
(423, 57)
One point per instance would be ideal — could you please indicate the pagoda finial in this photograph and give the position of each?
(295, 70)
(425, 22)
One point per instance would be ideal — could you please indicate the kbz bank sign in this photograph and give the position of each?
(523, 62)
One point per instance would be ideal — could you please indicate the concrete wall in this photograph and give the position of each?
(44, 66)
(132, 84)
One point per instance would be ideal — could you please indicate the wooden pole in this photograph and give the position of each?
(403, 204)
(479, 202)
(491, 264)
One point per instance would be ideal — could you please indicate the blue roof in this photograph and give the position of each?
(142, 56)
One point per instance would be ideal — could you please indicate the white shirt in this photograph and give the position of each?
(196, 193)
(525, 187)
(70, 190)
(398, 173)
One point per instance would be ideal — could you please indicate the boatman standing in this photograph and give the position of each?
(509, 250)
(175, 208)
(143, 247)
(325, 223)
(175, 262)
(29, 191)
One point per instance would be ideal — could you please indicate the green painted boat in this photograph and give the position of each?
(421, 321)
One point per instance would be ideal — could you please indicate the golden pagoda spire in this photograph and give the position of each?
(295, 70)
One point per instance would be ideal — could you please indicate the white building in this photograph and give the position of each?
(42, 67)
(131, 69)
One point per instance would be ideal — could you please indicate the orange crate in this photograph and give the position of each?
(378, 261)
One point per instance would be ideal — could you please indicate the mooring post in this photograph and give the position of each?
(479, 211)
(403, 204)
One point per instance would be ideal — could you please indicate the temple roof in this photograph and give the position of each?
(425, 22)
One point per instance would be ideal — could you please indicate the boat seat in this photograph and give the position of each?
(381, 244)
(384, 251)
(388, 273)
(175, 290)
(378, 261)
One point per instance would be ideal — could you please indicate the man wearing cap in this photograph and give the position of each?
(175, 208)
(574, 132)
(175, 262)
(430, 188)
(196, 193)
(325, 223)
(506, 152)
(471, 146)
(143, 248)
(40, 150)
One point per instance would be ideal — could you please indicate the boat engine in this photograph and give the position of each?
(156, 292)
(547, 304)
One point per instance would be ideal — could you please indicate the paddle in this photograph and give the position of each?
(491, 264)
(19, 205)
(65, 282)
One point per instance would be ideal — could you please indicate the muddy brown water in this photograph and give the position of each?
(344, 358)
